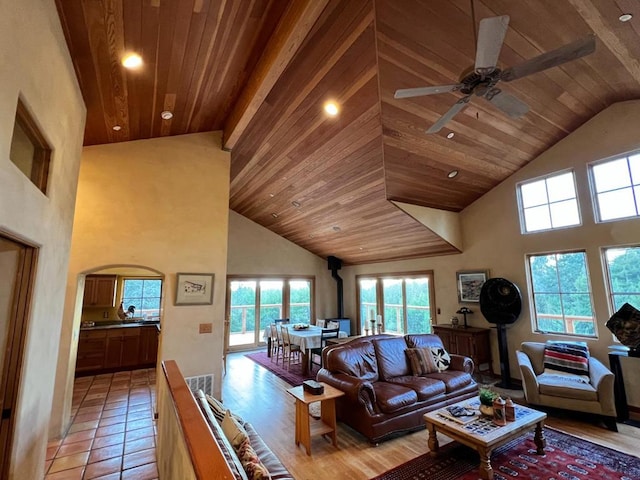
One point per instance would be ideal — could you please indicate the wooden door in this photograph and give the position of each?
(17, 270)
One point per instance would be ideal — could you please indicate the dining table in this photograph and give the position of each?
(304, 335)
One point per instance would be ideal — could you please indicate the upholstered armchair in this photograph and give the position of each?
(595, 397)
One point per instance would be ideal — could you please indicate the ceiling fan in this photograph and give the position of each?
(486, 75)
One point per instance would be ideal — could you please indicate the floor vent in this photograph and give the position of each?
(201, 382)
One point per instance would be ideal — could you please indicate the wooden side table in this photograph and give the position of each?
(327, 423)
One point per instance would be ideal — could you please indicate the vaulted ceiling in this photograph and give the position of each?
(261, 70)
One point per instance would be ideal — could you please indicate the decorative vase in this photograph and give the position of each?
(486, 410)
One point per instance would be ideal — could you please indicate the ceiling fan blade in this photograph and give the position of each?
(572, 51)
(512, 106)
(459, 105)
(490, 37)
(418, 92)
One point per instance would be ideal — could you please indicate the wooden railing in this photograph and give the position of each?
(568, 321)
(187, 449)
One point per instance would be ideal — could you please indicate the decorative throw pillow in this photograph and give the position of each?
(252, 465)
(421, 361)
(217, 408)
(235, 433)
(441, 358)
(567, 358)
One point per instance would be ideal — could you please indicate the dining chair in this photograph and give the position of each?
(320, 323)
(276, 343)
(325, 335)
(288, 349)
(281, 320)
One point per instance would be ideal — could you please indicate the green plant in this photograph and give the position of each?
(487, 396)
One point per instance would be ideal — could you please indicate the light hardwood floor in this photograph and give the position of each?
(261, 398)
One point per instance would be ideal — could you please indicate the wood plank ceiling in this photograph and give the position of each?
(261, 70)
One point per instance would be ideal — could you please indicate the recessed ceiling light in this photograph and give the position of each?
(336, 228)
(450, 135)
(295, 204)
(311, 235)
(274, 215)
(625, 17)
(331, 108)
(116, 128)
(452, 174)
(361, 248)
(132, 61)
(271, 195)
(166, 115)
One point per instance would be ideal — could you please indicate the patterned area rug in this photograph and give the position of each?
(293, 376)
(566, 458)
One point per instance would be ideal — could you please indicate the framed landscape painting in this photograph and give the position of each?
(194, 289)
(469, 284)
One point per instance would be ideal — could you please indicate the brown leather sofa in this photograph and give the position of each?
(382, 396)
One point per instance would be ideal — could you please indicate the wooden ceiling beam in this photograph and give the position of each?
(290, 33)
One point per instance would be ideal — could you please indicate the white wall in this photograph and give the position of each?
(254, 250)
(492, 238)
(162, 204)
(35, 66)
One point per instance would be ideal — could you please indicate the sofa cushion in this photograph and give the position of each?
(391, 397)
(453, 380)
(357, 359)
(422, 340)
(421, 361)
(252, 465)
(425, 387)
(441, 358)
(556, 386)
(276, 469)
(235, 433)
(217, 408)
(392, 361)
(227, 450)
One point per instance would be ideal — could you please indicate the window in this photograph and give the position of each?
(256, 302)
(30, 151)
(404, 302)
(144, 294)
(562, 294)
(548, 203)
(623, 275)
(616, 188)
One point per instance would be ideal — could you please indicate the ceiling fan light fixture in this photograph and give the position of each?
(452, 174)
(625, 17)
(166, 115)
(331, 108)
(132, 61)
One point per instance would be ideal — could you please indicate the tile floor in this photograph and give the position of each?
(113, 433)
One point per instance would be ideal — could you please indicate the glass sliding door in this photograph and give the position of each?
(393, 305)
(242, 313)
(367, 292)
(271, 307)
(418, 305)
(300, 301)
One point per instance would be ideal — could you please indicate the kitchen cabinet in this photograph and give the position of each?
(471, 342)
(91, 350)
(99, 291)
(113, 348)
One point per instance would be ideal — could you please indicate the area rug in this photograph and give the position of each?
(566, 458)
(293, 376)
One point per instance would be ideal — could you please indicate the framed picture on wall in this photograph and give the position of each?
(194, 289)
(469, 284)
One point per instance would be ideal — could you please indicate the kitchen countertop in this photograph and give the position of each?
(120, 324)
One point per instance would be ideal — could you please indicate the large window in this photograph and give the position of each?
(144, 294)
(562, 294)
(616, 188)
(548, 203)
(403, 301)
(256, 302)
(623, 275)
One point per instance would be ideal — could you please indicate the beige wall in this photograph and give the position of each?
(254, 250)
(35, 66)
(160, 204)
(492, 238)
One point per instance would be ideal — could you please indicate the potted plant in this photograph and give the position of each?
(487, 396)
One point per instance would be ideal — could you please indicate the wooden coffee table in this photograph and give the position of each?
(483, 435)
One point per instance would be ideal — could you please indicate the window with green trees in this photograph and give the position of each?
(623, 275)
(616, 187)
(562, 293)
(404, 301)
(144, 294)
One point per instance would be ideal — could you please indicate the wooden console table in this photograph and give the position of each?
(471, 342)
